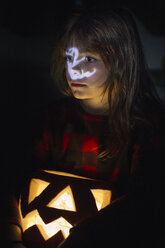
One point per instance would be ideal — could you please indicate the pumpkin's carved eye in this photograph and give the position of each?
(36, 187)
(64, 200)
(102, 197)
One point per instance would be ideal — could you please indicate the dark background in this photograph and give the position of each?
(27, 32)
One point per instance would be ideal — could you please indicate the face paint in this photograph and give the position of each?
(86, 74)
(73, 54)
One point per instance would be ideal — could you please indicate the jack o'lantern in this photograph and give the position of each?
(53, 202)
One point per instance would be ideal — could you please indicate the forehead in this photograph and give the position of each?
(73, 49)
(76, 52)
(82, 44)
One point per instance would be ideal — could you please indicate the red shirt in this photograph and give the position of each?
(71, 139)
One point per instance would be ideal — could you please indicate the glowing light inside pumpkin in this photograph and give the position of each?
(102, 197)
(64, 200)
(47, 230)
(36, 187)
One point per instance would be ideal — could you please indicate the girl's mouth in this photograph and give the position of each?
(77, 85)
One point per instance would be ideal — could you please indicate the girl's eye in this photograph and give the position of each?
(69, 58)
(89, 59)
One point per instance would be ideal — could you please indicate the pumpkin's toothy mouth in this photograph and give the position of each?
(46, 230)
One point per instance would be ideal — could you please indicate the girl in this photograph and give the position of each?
(108, 125)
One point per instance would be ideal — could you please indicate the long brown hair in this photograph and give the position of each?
(114, 36)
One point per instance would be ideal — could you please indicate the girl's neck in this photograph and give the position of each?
(95, 107)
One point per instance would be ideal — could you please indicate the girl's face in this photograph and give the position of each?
(86, 73)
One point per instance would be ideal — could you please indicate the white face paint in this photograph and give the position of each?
(74, 74)
(86, 74)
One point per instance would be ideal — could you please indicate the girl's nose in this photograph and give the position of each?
(78, 67)
(76, 72)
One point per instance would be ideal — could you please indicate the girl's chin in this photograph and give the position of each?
(79, 95)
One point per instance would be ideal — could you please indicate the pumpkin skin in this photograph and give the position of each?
(52, 202)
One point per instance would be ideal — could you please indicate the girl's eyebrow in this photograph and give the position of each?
(90, 54)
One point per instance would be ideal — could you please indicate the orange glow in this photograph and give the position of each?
(63, 200)
(47, 230)
(36, 187)
(102, 197)
(65, 174)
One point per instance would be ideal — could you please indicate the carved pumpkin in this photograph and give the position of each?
(53, 202)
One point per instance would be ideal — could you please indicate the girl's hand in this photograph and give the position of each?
(17, 245)
(14, 236)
